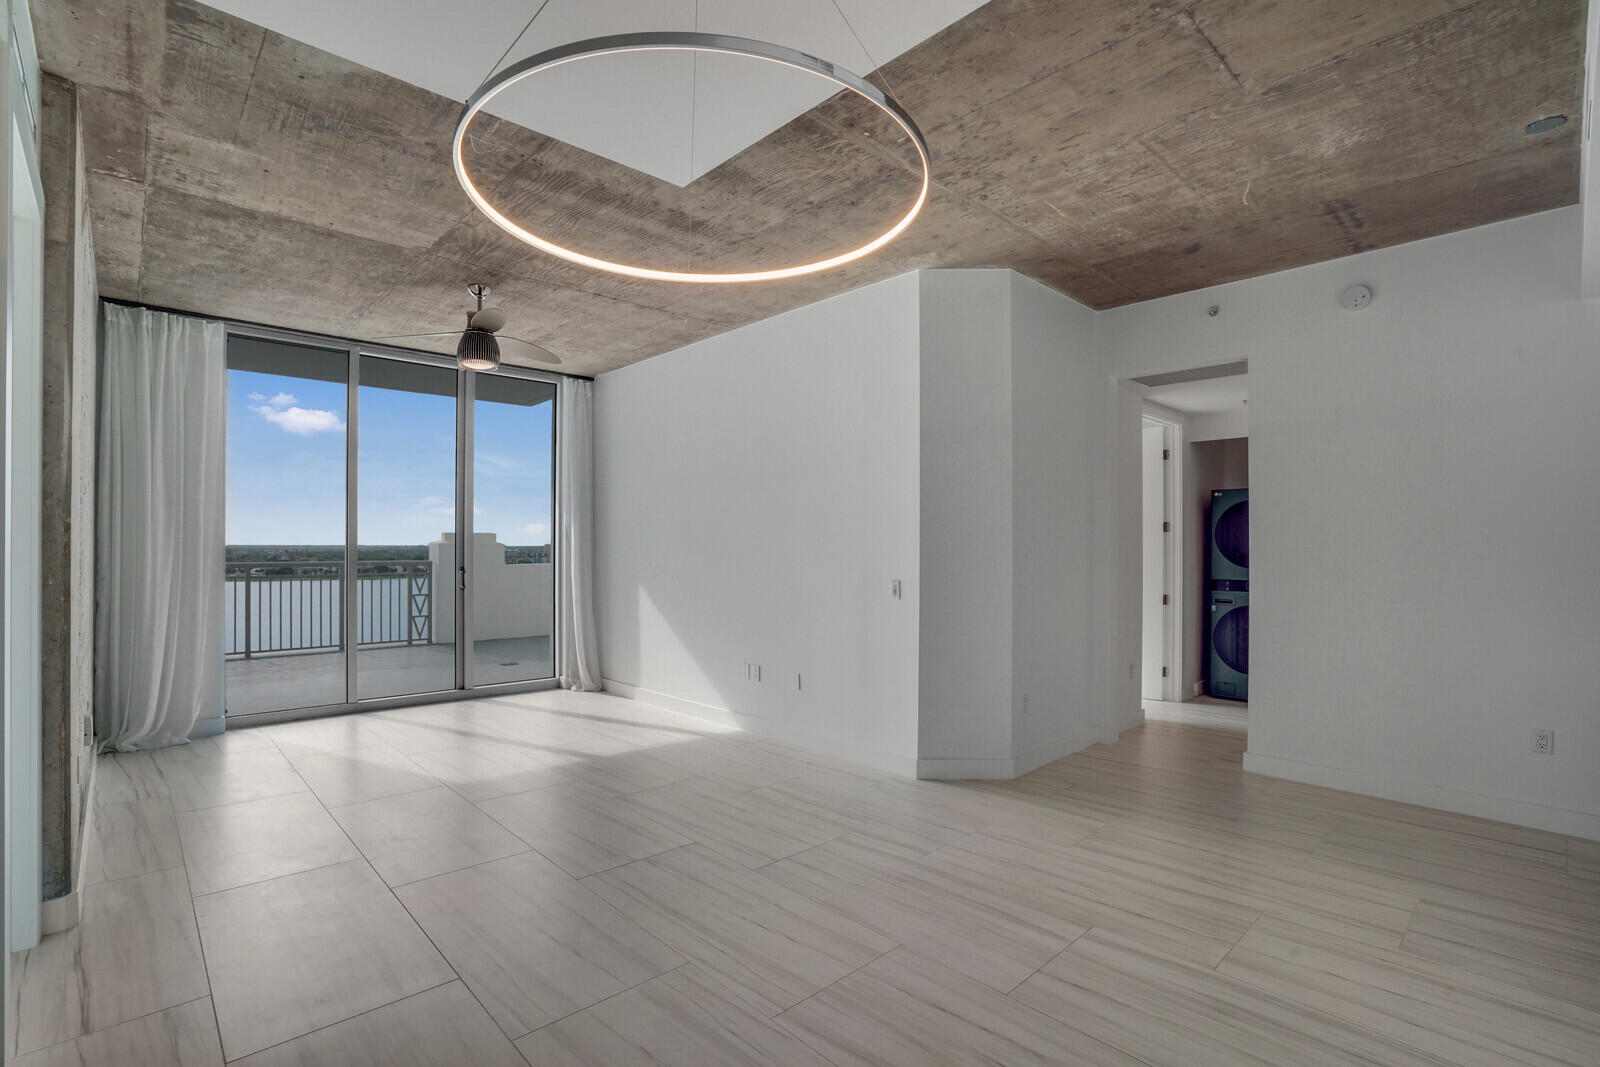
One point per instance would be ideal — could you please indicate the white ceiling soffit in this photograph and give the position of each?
(1209, 397)
(675, 116)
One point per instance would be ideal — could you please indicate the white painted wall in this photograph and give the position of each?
(1220, 425)
(759, 492)
(1589, 182)
(966, 524)
(21, 450)
(508, 599)
(1063, 495)
(756, 494)
(1423, 569)
(1014, 475)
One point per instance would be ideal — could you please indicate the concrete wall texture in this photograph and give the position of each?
(71, 351)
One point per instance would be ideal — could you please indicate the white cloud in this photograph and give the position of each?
(282, 400)
(537, 533)
(302, 421)
(258, 397)
(499, 462)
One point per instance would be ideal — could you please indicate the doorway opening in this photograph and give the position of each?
(1195, 527)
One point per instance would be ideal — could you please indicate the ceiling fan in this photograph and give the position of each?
(478, 349)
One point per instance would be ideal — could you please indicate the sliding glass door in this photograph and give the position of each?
(390, 526)
(513, 521)
(406, 525)
(283, 577)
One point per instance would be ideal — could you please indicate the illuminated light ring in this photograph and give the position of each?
(686, 42)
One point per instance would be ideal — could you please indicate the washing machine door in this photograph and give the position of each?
(1232, 534)
(1230, 638)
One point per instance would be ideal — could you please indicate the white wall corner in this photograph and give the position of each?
(1589, 183)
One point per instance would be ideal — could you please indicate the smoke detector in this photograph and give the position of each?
(1356, 297)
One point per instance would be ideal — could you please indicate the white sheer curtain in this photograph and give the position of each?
(580, 648)
(158, 620)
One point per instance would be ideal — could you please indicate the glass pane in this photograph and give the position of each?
(406, 516)
(513, 583)
(284, 567)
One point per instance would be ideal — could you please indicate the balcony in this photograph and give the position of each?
(284, 638)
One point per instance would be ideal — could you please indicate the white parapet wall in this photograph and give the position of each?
(508, 599)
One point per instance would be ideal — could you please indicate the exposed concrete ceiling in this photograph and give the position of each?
(1115, 150)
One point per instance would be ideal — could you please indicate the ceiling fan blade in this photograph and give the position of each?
(491, 319)
(540, 352)
(418, 336)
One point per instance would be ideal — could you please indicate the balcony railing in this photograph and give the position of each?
(297, 606)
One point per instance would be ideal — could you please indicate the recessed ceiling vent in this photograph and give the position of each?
(1545, 125)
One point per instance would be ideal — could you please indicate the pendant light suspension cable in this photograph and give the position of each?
(525, 28)
(873, 63)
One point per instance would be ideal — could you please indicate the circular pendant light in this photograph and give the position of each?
(673, 41)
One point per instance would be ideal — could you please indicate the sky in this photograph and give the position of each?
(286, 458)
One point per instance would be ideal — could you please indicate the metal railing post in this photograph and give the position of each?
(247, 626)
(405, 589)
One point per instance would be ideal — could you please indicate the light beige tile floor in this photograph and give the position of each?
(576, 879)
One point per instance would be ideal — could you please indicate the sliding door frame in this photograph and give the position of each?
(461, 587)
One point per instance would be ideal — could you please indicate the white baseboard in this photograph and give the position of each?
(821, 744)
(692, 708)
(208, 727)
(59, 914)
(953, 770)
(949, 770)
(1479, 805)
(1196, 714)
(62, 913)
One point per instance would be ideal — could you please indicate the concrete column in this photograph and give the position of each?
(71, 348)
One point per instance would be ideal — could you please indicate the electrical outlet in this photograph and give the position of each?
(797, 683)
(757, 674)
(895, 589)
(1544, 742)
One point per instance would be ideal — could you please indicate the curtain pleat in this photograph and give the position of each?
(579, 644)
(159, 550)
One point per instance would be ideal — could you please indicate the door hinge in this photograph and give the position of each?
(1163, 672)
(1165, 599)
(1166, 527)
(1166, 453)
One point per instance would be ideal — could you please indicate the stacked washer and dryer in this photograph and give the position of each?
(1229, 615)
